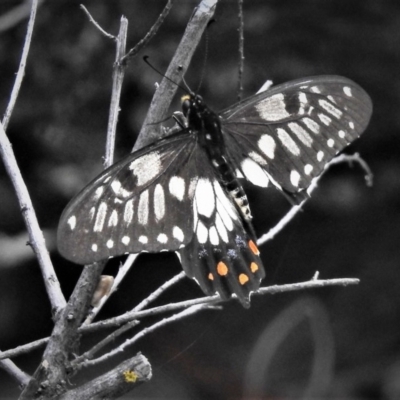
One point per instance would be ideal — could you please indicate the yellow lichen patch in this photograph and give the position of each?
(243, 278)
(210, 276)
(254, 248)
(254, 267)
(222, 268)
(130, 376)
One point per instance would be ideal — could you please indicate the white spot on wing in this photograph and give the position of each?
(320, 156)
(342, 134)
(257, 158)
(143, 239)
(162, 238)
(128, 211)
(204, 197)
(331, 142)
(315, 89)
(351, 124)
(311, 125)
(330, 108)
(288, 142)
(72, 222)
(267, 145)
(294, 178)
(125, 240)
(100, 217)
(347, 91)
(202, 233)
(178, 234)
(272, 108)
(110, 244)
(308, 169)
(324, 119)
(91, 212)
(113, 221)
(143, 208)
(98, 192)
(94, 247)
(159, 202)
(224, 202)
(177, 187)
(301, 133)
(119, 190)
(146, 168)
(254, 173)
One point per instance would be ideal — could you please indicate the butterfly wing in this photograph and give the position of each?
(142, 203)
(288, 133)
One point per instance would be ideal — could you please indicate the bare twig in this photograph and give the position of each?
(209, 300)
(36, 237)
(183, 314)
(90, 353)
(152, 32)
(21, 69)
(118, 77)
(19, 376)
(166, 90)
(96, 24)
(241, 50)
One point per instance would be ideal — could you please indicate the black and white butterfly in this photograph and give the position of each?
(182, 193)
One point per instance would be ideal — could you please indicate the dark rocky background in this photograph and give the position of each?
(346, 230)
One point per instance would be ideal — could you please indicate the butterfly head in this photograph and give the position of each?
(193, 109)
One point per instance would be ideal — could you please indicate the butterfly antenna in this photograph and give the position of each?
(146, 60)
(203, 68)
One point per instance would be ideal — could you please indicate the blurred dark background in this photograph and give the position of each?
(346, 230)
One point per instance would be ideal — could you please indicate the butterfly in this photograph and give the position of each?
(183, 193)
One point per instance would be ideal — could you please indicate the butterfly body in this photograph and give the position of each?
(183, 194)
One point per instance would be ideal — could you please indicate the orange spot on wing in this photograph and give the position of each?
(222, 268)
(243, 278)
(254, 248)
(210, 276)
(254, 267)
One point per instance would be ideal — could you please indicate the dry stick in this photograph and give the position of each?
(129, 342)
(153, 30)
(152, 297)
(36, 238)
(241, 50)
(21, 69)
(210, 300)
(20, 376)
(165, 92)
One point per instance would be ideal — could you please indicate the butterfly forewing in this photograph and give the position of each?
(292, 130)
(142, 203)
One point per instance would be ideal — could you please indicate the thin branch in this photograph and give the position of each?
(209, 300)
(22, 64)
(241, 49)
(157, 293)
(96, 24)
(151, 129)
(152, 32)
(129, 342)
(19, 376)
(36, 238)
(88, 355)
(118, 77)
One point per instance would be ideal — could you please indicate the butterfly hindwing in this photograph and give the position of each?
(222, 257)
(141, 203)
(292, 130)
